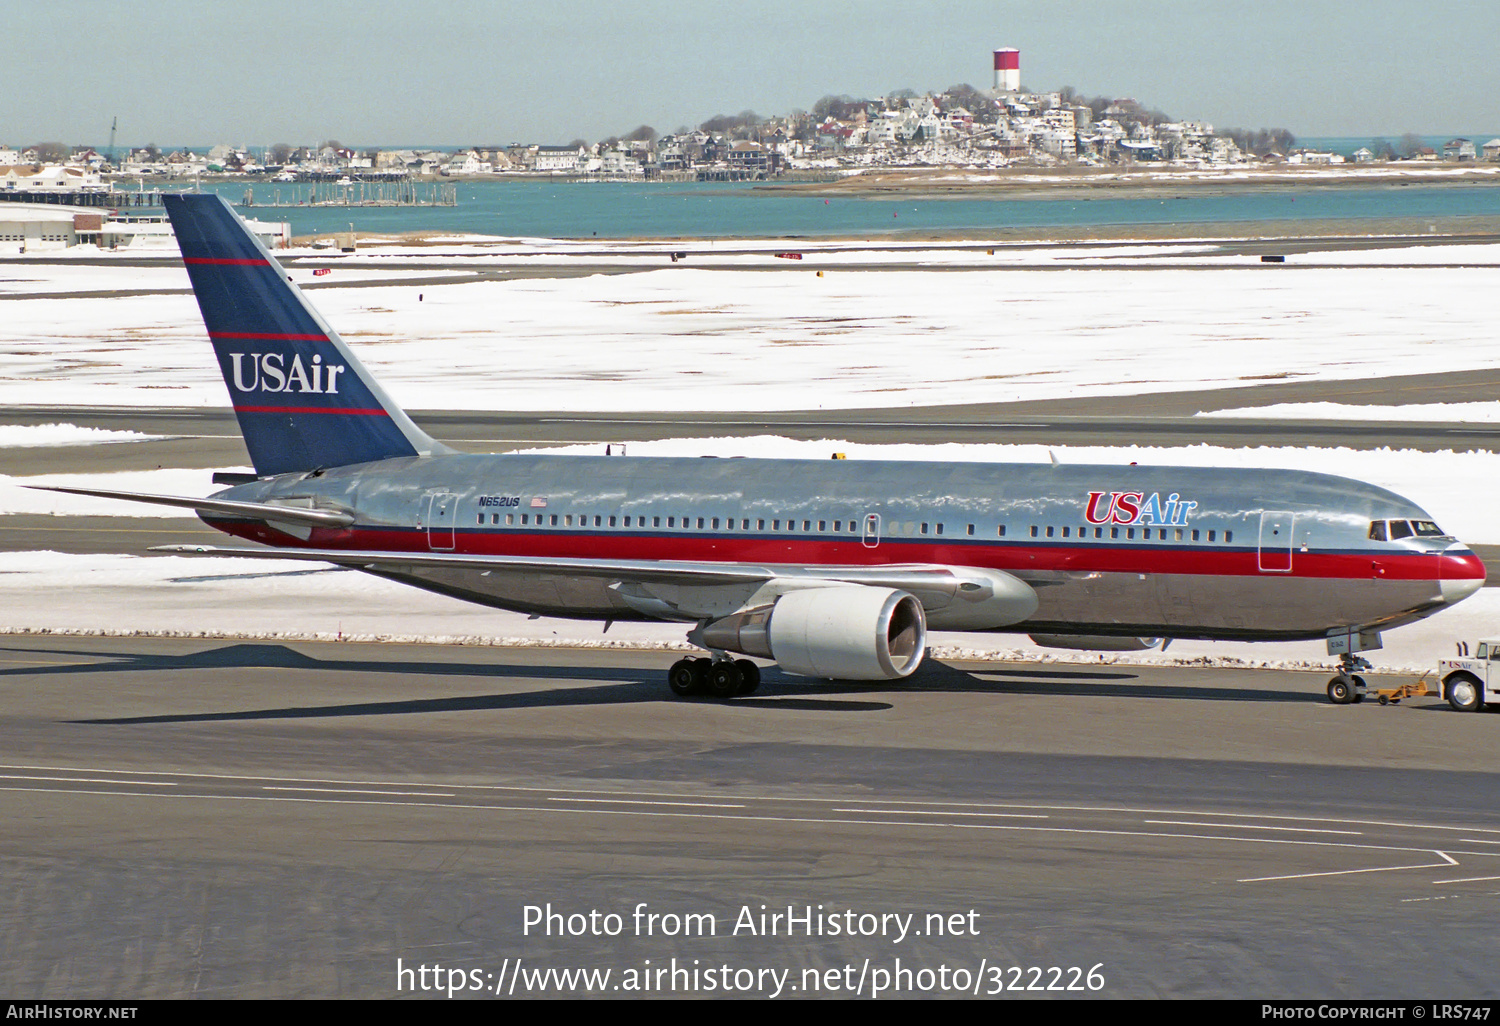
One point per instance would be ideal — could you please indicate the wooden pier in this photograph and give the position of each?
(106, 198)
(388, 193)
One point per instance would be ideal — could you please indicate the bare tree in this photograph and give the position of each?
(50, 152)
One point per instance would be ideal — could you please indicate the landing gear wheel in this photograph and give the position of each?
(724, 679)
(1463, 693)
(685, 678)
(749, 676)
(1341, 691)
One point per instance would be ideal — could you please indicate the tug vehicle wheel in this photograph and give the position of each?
(1464, 690)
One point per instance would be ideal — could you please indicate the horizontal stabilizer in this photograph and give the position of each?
(255, 510)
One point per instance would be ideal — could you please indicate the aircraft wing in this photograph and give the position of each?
(618, 569)
(921, 579)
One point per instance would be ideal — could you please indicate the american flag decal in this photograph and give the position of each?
(322, 271)
(539, 503)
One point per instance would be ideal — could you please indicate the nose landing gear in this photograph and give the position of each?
(1348, 687)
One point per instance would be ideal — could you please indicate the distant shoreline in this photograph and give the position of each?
(1082, 183)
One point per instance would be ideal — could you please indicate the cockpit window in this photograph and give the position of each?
(1395, 530)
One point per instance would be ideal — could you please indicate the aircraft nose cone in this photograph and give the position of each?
(1461, 574)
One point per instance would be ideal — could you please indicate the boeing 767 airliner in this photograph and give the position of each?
(833, 569)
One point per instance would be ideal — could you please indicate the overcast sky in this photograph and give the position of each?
(375, 72)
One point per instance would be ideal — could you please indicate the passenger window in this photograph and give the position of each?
(1067, 532)
(760, 525)
(510, 520)
(700, 523)
(671, 521)
(1228, 537)
(971, 530)
(807, 525)
(1050, 531)
(1000, 531)
(1033, 530)
(822, 525)
(656, 521)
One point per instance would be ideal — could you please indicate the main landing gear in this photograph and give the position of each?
(1348, 687)
(717, 678)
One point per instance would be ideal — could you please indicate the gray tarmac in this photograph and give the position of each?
(219, 819)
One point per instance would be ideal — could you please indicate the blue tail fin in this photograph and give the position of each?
(303, 400)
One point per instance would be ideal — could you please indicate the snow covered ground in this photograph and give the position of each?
(20, 436)
(1461, 413)
(691, 338)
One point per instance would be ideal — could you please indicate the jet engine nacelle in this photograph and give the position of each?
(850, 632)
(1095, 642)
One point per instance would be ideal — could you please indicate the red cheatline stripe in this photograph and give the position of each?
(268, 336)
(311, 409)
(246, 261)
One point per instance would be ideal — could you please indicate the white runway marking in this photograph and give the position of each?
(1349, 872)
(1256, 826)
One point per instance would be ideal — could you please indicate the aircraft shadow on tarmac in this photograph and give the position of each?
(617, 686)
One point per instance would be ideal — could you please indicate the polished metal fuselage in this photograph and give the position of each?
(1110, 550)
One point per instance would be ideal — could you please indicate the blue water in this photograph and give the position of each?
(581, 210)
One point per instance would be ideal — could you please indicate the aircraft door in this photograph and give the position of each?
(872, 530)
(1276, 542)
(440, 511)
